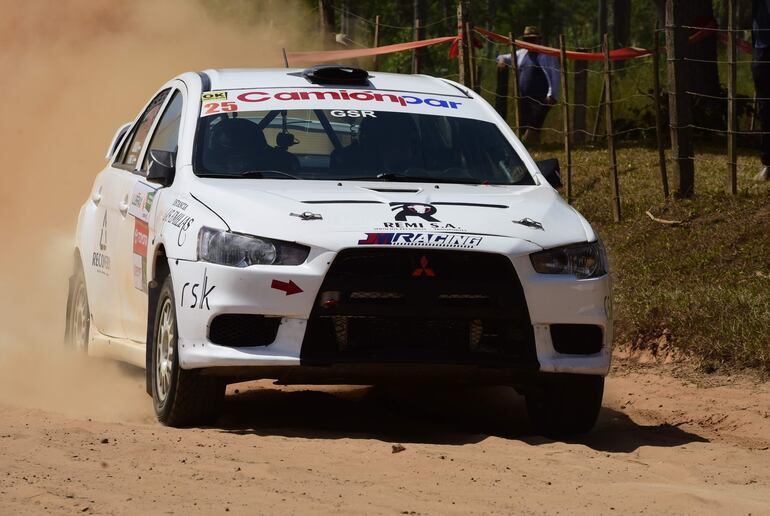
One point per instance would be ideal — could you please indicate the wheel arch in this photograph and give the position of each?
(77, 266)
(160, 270)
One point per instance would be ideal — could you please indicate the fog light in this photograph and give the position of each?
(330, 299)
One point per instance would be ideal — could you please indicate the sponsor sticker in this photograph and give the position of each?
(208, 96)
(344, 103)
(100, 260)
(416, 216)
(141, 239)
(148, 201)
(196, 295)
(419, 239)
(142, 197)
(176, 216)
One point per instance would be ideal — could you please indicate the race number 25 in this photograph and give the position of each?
(218, 107)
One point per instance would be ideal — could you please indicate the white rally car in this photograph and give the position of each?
(332, 226)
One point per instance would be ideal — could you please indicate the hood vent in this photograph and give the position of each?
(336, 75)
(395, 190)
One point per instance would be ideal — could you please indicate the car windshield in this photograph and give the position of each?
(339, 144)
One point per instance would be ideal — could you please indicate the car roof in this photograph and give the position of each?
(247, 78)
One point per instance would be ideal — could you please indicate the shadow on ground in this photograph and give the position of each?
(420, 415)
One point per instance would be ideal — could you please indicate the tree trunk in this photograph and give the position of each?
(700, 13)
(547, 20)
(419, 55)
(601, 20)
(660, 8)
(707, 112)
(326, 11)
(621, 22)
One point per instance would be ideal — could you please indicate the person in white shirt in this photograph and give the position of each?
(538, 85)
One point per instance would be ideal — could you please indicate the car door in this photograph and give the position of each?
(117, 185)
(138, 226)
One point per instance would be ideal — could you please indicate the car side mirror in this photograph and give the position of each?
(122, 130)
(551, 171)
(162, 167)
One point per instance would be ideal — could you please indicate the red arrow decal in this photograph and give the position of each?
(290, 287)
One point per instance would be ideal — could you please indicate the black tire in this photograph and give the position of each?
(78, 324)
(183, 397)
(567, 405)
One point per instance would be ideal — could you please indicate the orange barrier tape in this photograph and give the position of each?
(615, 55)
(339, 55)
(619, 54)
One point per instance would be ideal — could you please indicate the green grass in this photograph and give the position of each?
(704, 283)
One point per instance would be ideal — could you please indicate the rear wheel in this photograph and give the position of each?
(567, 405)
(78, 314)
(180, 397)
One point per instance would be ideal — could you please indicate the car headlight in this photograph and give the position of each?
(587, 260)
(237, 250)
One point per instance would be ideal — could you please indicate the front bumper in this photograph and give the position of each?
(204, 291)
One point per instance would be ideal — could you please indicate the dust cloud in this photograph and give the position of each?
(72, 73)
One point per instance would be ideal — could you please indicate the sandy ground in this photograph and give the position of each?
(79, 436)
(662, 445)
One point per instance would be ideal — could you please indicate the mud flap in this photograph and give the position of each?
(68, 324)
(152, 307)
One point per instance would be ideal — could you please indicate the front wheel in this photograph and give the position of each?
(180, 397)
(78, 328)
(567, 404)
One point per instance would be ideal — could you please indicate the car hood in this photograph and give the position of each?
(290, 210)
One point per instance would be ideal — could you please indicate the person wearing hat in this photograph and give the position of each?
(538, 84)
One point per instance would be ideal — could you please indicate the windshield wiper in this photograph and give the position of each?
(411, 179)
(251, 174)
(260, 174)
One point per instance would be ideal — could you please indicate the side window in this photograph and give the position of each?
(166, 135)
(132, 147)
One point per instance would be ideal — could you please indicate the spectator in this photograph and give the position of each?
(760, 69)
(538, 84)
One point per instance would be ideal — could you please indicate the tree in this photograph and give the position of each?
(326, 11)
(700, 13)
(621, 22)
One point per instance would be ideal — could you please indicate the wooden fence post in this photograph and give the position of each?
(580, 98)
(732, 118)
(515, 92)
(565, 114)
(468, 36)
(658, 121)
(679, 105)
(599, 112)
(376, 40)
(462, 55)
(610, 131)
(415, 55)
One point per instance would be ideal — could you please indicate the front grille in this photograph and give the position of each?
(243, 330)
(420, 305)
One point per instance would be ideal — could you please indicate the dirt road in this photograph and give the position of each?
(662, 445)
